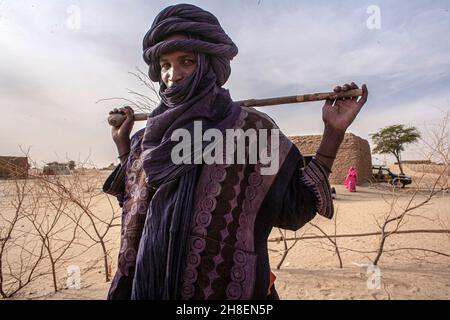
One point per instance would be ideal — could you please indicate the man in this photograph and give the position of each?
(194, 230)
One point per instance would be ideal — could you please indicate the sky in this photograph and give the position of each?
(59, 58)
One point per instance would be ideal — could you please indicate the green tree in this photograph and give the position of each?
(392, 139)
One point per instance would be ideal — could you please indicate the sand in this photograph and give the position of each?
(311, 268)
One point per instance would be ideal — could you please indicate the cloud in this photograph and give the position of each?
(313, 48)
(51, 76)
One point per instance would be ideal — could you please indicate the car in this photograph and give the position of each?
(382, 174)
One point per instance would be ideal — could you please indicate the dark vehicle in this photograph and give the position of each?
(381, 174)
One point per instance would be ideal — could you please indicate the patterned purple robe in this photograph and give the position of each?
(235, 210)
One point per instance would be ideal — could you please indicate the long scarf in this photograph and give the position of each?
(160, 259)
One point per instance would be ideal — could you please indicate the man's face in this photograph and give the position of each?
(178, 65)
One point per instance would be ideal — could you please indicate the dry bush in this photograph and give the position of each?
(140, 101)
(82, 191)
(48, 221)
(403, 207)
(20, 256)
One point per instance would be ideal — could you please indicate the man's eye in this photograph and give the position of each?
(165, 66)
(188, 61)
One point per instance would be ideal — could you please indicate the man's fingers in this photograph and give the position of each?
(345, 87)
(353, 86)
(128, 109)
(337, 89)
(364, 96)
(129, 113)
(328, 103)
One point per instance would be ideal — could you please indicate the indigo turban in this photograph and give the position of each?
(205, 36)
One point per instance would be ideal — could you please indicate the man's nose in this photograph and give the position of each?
(176, 74)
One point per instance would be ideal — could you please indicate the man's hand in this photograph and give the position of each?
(121, 134)
(339, 117)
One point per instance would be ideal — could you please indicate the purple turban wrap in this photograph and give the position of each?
(161, 255)
(207, 37)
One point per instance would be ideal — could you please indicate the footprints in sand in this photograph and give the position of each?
(351, 284)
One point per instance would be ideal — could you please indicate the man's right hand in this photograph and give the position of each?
(121, 134)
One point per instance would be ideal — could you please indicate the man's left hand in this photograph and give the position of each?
(339, 114)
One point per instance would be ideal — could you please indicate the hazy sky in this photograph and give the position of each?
(53, 70)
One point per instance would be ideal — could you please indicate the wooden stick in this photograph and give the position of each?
(116, 120)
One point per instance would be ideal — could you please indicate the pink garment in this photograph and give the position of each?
(351, 179)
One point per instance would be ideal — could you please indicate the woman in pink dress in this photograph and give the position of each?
(351, 179)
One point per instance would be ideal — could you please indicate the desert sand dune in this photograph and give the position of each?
(311, 268)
